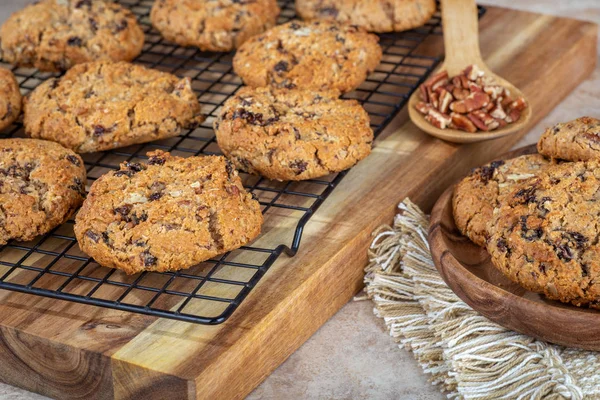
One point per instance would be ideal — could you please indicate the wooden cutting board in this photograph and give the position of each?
(66, 350)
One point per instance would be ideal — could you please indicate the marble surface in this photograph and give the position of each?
(352, 356)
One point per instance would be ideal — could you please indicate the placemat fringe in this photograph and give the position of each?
(467, 355)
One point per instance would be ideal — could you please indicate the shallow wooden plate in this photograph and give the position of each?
(467, 269)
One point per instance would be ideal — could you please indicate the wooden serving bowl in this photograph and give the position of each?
(468, 271)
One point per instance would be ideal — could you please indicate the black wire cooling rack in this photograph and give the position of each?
(54, 266)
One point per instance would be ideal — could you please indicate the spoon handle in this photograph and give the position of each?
(461, 35)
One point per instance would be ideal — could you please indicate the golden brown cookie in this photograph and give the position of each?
(476, 196)
(373, 15)
(577, 140)
(54, 35)
(10, 98)
(220, 25)
(100, 106)
(168, 214)
(315, 55)
(41, 184)
(545, 233)
(293, 134)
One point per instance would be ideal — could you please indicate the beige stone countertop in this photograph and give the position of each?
(352, 356)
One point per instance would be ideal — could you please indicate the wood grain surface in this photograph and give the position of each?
(469, 272)
(68, 350)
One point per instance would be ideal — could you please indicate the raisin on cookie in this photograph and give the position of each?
(10, 98)
(476, 196)
(168, 214)
(577, 140)
(545, 234)
(102, 105)
(373, 15)
(54, 35)
(221, 25)
(41, 184)
(293, 134)
(316, 55)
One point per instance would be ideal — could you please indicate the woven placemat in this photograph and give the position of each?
(467, 355)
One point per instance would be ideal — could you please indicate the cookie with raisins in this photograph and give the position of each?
(221, 25)
(544, 233)
(104, 105)
(41, 185)
(577, 140)
(10, 98)
(476, 196)
(373, 15)
(318, 55)
(54, 35)
(294, 134)
(168, 214)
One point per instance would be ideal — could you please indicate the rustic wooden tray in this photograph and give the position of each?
(467, 269)
(68, 351)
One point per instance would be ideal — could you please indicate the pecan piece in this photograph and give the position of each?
(436, 80)
(444, 100)
(474, 101)
(460, 93)
(438, 119)
(498, 111)
(463, 123)
(477, 122)
(489, 121)
(423, 108)
(519, 104)
(513, 116)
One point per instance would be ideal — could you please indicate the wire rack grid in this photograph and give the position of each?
(53, 265)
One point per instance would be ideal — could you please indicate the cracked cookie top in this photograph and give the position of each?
(373, 15)
(315, 55)
(577, 140)
(546, 235)
(218, 25)
(476, 196)
(54, 35)
(41, 184)
(292, 134)
(168, 214)
(103, 105)
(10, 98)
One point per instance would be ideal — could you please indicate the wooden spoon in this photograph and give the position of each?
(461, 42)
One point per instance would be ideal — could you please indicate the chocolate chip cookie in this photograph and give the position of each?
(104, 105)
(293, 134)
(373, 15)
(317, 55)
(221, 25)
(41, 184)
(54, 35)
(10, 98)
(476, 196)
(545, 233)
(168, 214)
(577, 140)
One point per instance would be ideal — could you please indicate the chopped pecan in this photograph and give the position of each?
(513, 116)
(494, 91)
(444, 100)
(489, 121)
(434, 99)
(463, 123)
(437, 79)
(460, 93)
(438, 119)
(424, 95)
(498, 111)
(423, 107)
(456, 81)
(472, 72)
(477, 122)
(519, 104)
(474, 101)
(473, 87)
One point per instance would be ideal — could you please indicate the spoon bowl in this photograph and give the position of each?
(461, 43)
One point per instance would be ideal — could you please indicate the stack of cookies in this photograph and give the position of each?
(538, 215)
(169, 213)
